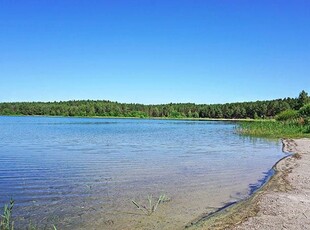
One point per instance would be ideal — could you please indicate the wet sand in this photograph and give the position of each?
(282, 203)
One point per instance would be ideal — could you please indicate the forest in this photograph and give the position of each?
(103, 108)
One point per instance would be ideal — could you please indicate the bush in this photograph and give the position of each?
(287, 115)
(305, 111)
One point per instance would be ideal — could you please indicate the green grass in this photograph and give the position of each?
(274, 129)
(6, 222)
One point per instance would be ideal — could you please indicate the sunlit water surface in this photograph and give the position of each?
(82, 173)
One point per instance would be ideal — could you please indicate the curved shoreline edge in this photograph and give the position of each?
(236, 213)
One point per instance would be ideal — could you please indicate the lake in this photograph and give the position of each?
(82, 173)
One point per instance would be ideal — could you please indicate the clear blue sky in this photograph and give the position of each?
(152, 52)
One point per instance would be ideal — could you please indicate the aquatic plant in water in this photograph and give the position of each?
(152, 206)
(5, 222)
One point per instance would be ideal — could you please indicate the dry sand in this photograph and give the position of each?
(283, 203)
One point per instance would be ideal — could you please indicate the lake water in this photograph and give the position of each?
(82, 173)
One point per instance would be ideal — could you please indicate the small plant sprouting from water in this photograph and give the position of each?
(6, 222)
(152, 204)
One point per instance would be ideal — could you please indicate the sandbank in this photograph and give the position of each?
(282, 203)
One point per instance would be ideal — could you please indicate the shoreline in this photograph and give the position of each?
(144, 118)
(262, 209)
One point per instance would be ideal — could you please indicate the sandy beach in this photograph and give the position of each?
(282, 203)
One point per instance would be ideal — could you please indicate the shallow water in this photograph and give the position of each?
(82, 172)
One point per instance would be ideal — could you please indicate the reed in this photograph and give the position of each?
(275, 129)
(152, 204)
(6, 222)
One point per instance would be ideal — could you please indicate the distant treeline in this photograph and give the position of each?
(258, 109)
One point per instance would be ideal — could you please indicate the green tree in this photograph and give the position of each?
(195, 114)
(303, 99)
(305, 110)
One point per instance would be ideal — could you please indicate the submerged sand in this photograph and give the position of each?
(283, 203)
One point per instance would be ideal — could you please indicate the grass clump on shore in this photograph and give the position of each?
(287, 124)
